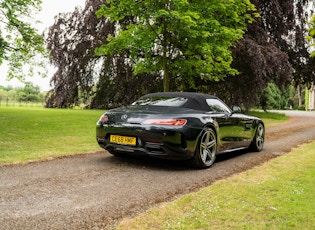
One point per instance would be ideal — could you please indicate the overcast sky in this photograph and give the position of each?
(50, 8)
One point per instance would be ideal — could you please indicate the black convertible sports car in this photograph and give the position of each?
(179, 125)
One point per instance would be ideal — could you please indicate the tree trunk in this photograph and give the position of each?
(166, 84)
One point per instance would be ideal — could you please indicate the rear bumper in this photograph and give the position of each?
(161, 143)
(154, 150)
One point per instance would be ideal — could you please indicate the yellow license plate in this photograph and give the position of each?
(123, 140)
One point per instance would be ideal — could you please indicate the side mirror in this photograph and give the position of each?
(236, 109)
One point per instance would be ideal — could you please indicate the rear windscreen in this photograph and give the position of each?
(161, 101)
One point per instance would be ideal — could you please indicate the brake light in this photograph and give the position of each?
(171, 122)
(104, 118)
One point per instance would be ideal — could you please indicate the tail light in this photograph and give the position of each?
(103, 118)
(170, 122)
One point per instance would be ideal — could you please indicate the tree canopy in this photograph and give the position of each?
(180, 39)
(311, 36)
(274, 49)
(130, 56)
(19, 40)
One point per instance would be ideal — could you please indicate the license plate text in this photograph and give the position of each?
(123, 140)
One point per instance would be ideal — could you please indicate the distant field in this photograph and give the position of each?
(36, 133)
(32, 133)
(16, 104)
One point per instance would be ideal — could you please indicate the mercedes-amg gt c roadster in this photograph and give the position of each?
(180, 126)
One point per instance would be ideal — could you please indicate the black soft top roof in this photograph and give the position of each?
(195, 100)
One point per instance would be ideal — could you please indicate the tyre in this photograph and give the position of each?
(206, 149)
(259, 139)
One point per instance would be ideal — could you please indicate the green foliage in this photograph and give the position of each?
(7, 94)
(275, 98)
(19, 41)
(186, 40)
(306, 98)
(311, 36)
(301, 107)
(6, 88)
(198, 32)
(27, 94)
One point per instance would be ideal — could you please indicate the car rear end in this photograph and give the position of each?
(146, 130)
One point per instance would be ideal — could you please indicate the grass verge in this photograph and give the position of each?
(276, 195)
(35, 133)
(269, 119)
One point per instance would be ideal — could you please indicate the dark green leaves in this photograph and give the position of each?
(188, 40)
(311, 36)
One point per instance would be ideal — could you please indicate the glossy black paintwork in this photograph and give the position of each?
(234, 130)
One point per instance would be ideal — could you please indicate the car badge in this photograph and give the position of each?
(124, 117)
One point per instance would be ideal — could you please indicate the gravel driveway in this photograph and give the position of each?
(94, 191)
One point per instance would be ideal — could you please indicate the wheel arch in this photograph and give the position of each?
(201, 149)
(215, 127)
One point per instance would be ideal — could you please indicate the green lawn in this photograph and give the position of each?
(36, 133)
(269, 118)
(277, 195)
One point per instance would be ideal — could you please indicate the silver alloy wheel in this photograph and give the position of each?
(260, 137)
(208, 147)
